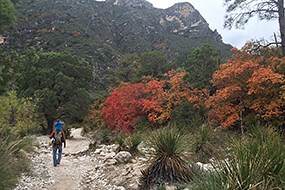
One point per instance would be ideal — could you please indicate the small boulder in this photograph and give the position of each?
(123, 157)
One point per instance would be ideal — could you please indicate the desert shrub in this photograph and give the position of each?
(17, 115)
(255, 162)
(104, 135)
(187, 116)
(133, 141)
(205, 143)
(168, 164)
(13, 160)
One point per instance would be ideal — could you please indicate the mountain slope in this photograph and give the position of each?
(101, 31)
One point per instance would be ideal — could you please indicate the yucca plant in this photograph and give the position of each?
(255, 163)
(168, 164)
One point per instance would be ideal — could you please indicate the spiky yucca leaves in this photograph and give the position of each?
(168, 164)
(256, 162)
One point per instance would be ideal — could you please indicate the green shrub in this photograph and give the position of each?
(132, 141)
(102, 134)
(120, 140)
(168, 164)
(204, 138)
(187, 117)
(13, 160)
(255, 162)
(17, 114)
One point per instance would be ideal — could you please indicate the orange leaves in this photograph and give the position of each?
(265, 88)
(262, 79)
(154, 99)
(234, 72)
(247, 82)
(229, 92)
(163, 96)
(123, 108)
(224, 116)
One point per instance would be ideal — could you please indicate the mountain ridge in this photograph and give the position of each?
(101, 32)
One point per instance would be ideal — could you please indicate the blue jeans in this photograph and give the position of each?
(56, 154)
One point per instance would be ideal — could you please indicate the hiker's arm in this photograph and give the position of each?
(64, 140)
(51, 135)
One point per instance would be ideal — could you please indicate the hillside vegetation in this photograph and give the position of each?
(131, 74)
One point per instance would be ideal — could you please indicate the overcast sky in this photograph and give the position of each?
(213, 11)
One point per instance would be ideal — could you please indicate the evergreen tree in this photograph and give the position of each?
(7, 13)
(200, 64)
(59, 82)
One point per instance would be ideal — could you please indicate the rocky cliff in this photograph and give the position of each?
(101, 31)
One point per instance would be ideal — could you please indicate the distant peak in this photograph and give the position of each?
(182, 5)
(131, 3)
(184, 10)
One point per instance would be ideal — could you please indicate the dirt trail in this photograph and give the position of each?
(81, 169)
(68, 174)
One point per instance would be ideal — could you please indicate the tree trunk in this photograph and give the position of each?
(281, 20)
(50, 125)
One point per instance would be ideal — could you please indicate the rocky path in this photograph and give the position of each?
(104, 169)
(69, 174)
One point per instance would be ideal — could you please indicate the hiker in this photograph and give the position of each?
(58, 137)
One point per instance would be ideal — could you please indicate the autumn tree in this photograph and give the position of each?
(248, 85)
(154, 99)
(239, 12)
(124, 107)
(165, 95)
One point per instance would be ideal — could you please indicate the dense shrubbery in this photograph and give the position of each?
(18, 119)
(17, 115)
(254, 162)
(248, 88)
(155, 99)
(13, 160)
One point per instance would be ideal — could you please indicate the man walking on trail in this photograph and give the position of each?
(58, 138)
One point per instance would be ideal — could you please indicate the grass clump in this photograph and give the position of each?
(168, 164)
(133, 141)
(13, 160)
(255, 162)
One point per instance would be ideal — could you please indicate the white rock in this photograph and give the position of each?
(205, 167)
(123, 157)
(110, 155)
